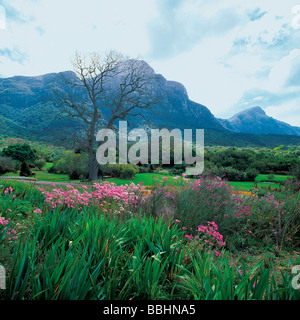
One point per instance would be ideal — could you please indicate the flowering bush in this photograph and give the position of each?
(107, 196)
(211, 199)
(208, 238)
(275, 218)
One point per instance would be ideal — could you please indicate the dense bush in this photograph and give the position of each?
(40, 163)
(20, 152)
(143, 169)
(124, 171)
(74, 165)
(25, 170)
(265, 161)
(7, 164)
(274, 219)
(233, 174)
(295, 171)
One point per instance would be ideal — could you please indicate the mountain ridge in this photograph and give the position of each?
(255, 120)
(27, 109)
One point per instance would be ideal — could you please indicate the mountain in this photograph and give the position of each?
(28, 110)
(255, 120)
(179, 111)
(27, 103)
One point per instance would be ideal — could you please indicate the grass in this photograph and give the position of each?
(48, 166)
(277, 177)
(43, 176)
(148, 179)
(247, 185)
(262, 180)
(54, 177)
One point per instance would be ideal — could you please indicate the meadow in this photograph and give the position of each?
(186, 239)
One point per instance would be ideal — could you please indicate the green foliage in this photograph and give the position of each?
(23, 191)
(124, 171)
(74, 165)
(40, 163)
(15, 206)
(263, 160)
(20, 152)
(90, 254)
(295, 171)
(221, 281)
(7, 164)
(25, 170)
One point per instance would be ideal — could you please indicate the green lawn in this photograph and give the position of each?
(46, 176)
(277, 177)
(148, 179)
(43, 176)
(48, 166)
(262, 181)
(247, 185)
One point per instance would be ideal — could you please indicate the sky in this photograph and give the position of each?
(230, 55)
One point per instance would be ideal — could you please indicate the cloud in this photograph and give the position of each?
(14, 55)
(256, 14)
(288, 111)
(50, 32)
(228, 54)
(282, 75)
(180, 27)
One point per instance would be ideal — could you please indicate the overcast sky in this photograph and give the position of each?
(230, 55)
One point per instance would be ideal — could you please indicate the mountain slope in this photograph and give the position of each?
(255, 120)
(27, 109)
(28, 102)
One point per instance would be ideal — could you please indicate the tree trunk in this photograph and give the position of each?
(93, 167)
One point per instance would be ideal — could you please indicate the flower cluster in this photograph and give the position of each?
(8, 190)
(208, 238)
(11, 232)
(105, 195)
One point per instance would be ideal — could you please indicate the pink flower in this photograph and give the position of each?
(37, 210)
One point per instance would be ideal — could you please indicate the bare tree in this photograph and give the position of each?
(105, 90)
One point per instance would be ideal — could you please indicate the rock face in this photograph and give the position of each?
(255, 120)
(178, 111)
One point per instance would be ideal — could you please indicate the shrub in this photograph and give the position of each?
(40, 163)
(295, 171)
(128, 172)
(25, 170)
(22, 153)
(123, 171)
(74, 165)
(115, 170)
(206, 200)
(7, 164)
(143, 169)
(275, 219)
(229, 173)
(233, 174)
(177, 171)
(251, 174)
